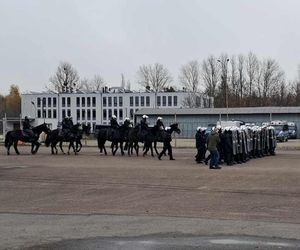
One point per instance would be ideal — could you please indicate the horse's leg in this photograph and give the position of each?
(74, 148)
(8, 147)
(155, 144)
(61, 148)
(36, 147)
(114, 151)
(137, 148)
(121, 147)
(32, 147)
(146, 148)
(80, 144)
(16, 147)
(151, 148)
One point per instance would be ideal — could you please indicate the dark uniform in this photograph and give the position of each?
(27, 128)
(114, 123)
(159, 124)
(200, 145)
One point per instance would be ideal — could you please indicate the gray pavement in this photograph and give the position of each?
(92, 201)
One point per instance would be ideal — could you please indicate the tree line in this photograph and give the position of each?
(233, 81)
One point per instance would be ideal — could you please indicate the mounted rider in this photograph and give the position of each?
(113, 122)
(27, 128)
(67, 125)
(143, 127)
(126, 122)
(159, 124)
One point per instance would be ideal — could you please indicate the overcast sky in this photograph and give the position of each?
(117, 36)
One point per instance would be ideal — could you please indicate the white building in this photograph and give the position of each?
(97, 108)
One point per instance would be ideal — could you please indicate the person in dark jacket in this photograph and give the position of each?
(113, 122)
(200, 144)
(27, 128)
(212, 142)
(159, 124)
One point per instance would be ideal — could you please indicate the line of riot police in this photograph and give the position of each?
(238, 144)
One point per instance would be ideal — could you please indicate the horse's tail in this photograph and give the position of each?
(6, 139)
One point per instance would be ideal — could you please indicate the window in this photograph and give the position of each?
(44, 101)
(169, 100)
(69, 101)
(104, 114)
(109, 101)
(121, 114)
(69, 112)
(83, 114)
(120, 101)
(63, 102)
(164, 100)
(63, 113)
(147, 101)
(39, 113)
(89, 114)
(78, 101)
(158, 101)
(115, 101)
(88, 101)
(54, 102)
(131, 101)
(49, 113)
(94, 101)
(104, 101)
(39, 102)
(131, 113)
(94, 114)
(78, 114)
(175, 100)
(82, 102)
(116, 112)
(49, 101)
(137, 101)
(109, 113)
(54, 114)
(142, 101)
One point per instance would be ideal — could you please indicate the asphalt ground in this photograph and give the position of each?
(91, 200)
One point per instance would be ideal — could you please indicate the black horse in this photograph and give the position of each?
(164, 136)
(73, 135)
(12, 138)
(117, 136)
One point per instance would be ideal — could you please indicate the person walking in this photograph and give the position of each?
(212, 142)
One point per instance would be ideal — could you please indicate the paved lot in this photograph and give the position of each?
(45, 198)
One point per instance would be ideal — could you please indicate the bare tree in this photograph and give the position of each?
(128, 85)
(92, 85)
(155, 77)
(241, 76)
(234, 82)
(252, 70)
(272, 77)
(223, 88)
(66, 78)
(190, 76)
(210, 75)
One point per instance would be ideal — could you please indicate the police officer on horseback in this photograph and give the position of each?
(159, 124)
(27, 128)
(113, 122)
(67, 125)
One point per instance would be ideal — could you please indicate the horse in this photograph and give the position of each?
(72, 136)
(134, 137)
(115, 135)
(164, 136)
(85, 129)
(12, 138)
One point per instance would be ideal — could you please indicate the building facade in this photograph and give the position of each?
(97, 108)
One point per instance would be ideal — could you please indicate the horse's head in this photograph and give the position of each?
(174, 127)
(42, 128)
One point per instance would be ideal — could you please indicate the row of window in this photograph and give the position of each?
(86, 114)
(139, 101)
(112, 101)
(86, 101)
(46, 101)
(50, 114)
(162, 101)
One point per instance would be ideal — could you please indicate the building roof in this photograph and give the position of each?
(217, 111)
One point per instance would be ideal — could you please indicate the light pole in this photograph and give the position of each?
(224, 69)
(32, 102)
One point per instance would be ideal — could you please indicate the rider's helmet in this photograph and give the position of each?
(199, 129)
(114, 117)
(159, 118)
(26, 117)
(145, 117)
(126, 119)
